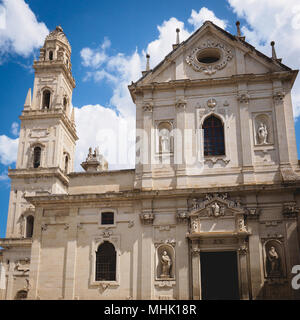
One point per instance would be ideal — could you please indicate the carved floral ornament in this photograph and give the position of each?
(209, 57)
(243, 97)
(147, 217)
(148, 107)
(290, 210)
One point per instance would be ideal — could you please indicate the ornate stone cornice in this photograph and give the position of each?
(15, 242)
(38, 173)
(137, 88)
(53, 66)
(69, 200)
(50, 114)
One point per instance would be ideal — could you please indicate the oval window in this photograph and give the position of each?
(208, 56)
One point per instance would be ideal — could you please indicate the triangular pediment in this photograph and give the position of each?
(215, 205)
(208, 53)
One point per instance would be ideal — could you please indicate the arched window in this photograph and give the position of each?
(29, 226)
(106, 262)
(66, 164)
(65, 103)
(50, 55)
(213, 137)
(21, 295)
(46, 99)
(37, 157)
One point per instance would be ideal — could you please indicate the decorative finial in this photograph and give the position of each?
(59, 28)
(148, 62)
(274, 56)
(27, 104)
(177, 36)
(238, 28)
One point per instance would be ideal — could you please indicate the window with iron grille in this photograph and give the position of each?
(213, 137)
(106, 262)
(107, 218)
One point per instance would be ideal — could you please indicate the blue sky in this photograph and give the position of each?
(109, 41)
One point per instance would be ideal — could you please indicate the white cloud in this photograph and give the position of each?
(8, 150)
(114, 134)
(160, 47)
(99, 126)
(94, 58)
(273, 20)
(204, 14)
(15, 129)
(3, 176)
(20, 31)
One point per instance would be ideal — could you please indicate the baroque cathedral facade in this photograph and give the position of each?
(210, 210)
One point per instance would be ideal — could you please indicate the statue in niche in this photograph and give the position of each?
(273, 263)
(262, 133)
(164, 140)
(166, 263)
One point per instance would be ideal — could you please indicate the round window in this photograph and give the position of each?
(208, 56)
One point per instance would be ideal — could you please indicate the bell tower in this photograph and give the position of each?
(47, 133)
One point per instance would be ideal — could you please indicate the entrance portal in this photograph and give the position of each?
(219, 275)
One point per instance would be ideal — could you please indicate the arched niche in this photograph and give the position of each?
(165, 140)
(262, 122)
(165, 262)
(274, 259)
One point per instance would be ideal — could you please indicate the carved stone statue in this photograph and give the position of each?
(90, 154)
(194, 226)
(216, 209)
(164, 140)
(273, 263)
(242, 226)
(166, 263)
(262, 133)
(195, 204)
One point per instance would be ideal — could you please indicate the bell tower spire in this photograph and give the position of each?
(47, 133)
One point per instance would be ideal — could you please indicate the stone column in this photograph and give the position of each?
(243, 272)
(255, 254)
(196, 271)
(10, 281)
(148, 144)
(180, 153)
(292, 245)
(147, 268)
(246, 141)
(70, 268)
(35, 254)
(182, 256)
